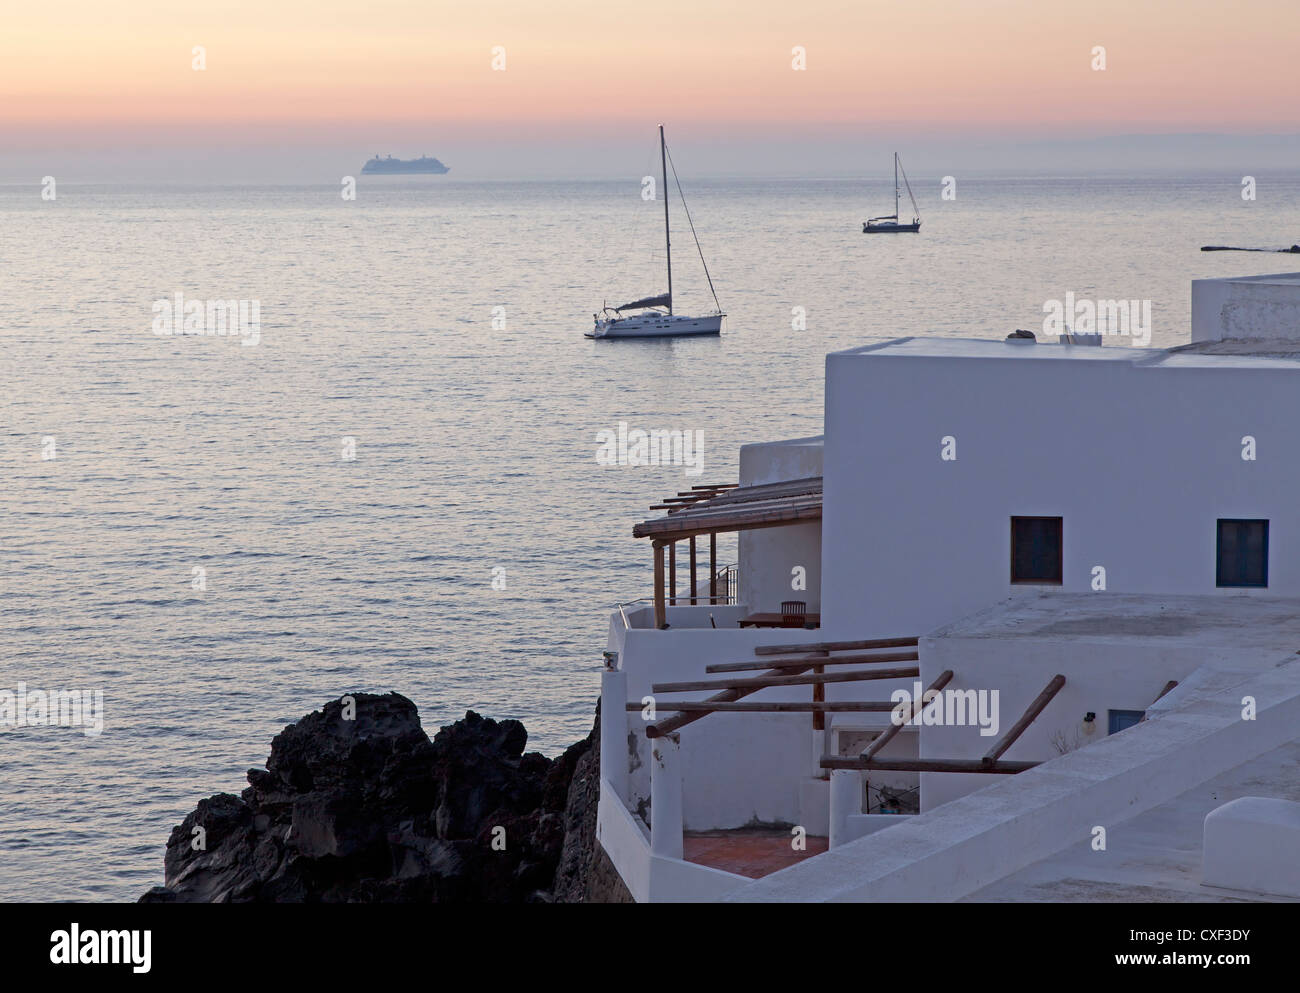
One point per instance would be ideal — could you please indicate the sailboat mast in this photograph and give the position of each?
(895, 186)
(668, 243)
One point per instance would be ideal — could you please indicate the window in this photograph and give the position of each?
(1036, 550)
(1121, 719)
(1242, 554)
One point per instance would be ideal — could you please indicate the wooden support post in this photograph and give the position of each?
(917, 707)
(1018, 728)
(661, 614)
(672, 574)
(713, 567)
(819, 693)
(693, 580)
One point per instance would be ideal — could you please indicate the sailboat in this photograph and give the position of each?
(888, 223)
(652, 316)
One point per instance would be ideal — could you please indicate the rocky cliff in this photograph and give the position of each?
(356, 804)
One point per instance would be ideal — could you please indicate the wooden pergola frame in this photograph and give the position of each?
(991, 762)
(718, 508)
(732, 690)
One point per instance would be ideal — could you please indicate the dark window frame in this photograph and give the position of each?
(1136, 717)
(1222, 581)
(1059, 578)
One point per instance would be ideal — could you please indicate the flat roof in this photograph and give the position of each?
(995, 348)
(1238, 624)
(1280, 278)
(1227, 354)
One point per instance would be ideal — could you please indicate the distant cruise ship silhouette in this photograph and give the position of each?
(423, 164)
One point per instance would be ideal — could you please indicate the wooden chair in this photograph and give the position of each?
(793, 613)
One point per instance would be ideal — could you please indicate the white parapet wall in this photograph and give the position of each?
(1247, 308)
(721, 772)
(737, 769)
(652, 878)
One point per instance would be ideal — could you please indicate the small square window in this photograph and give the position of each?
(1242, 553)
(1121, 719)
(1036, 550)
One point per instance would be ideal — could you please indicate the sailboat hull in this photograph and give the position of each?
(656, 325)
(889, 227)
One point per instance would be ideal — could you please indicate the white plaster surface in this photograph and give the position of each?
(1253, 843)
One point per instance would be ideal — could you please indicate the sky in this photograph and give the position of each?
(295, 90)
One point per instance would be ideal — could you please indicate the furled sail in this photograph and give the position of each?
(663, 300)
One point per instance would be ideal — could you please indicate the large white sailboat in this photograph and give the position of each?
(652, 316)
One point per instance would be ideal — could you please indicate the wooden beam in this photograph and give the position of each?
(679, 525)
(835, 646)
(703, 707)
(802, 661)
(1168, 686)
(670, 725)
(924, 765)
(661, 613)
(762, 682)
(693, 580)
(1042, 700)
(917, 706)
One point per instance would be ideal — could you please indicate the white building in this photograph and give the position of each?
(1122, 519)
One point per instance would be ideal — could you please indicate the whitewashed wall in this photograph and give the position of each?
(1100, 675)
(736, 768)
(1138, 460)
(768, 556)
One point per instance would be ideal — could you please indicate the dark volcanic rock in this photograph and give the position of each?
(585, 873)
(356, 804)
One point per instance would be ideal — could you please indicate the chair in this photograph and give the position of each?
(793, 613)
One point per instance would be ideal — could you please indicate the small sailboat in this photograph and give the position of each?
(888, 223)
(652, 316)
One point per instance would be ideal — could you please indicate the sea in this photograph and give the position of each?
(394, 483)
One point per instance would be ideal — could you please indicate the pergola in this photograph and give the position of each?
(721, 508)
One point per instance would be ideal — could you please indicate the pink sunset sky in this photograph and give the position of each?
(83, 81)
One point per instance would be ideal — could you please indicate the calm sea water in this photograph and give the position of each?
(474, 445)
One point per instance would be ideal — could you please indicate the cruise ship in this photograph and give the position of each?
(390, 165)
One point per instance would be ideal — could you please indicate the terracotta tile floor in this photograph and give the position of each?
(748, 853)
